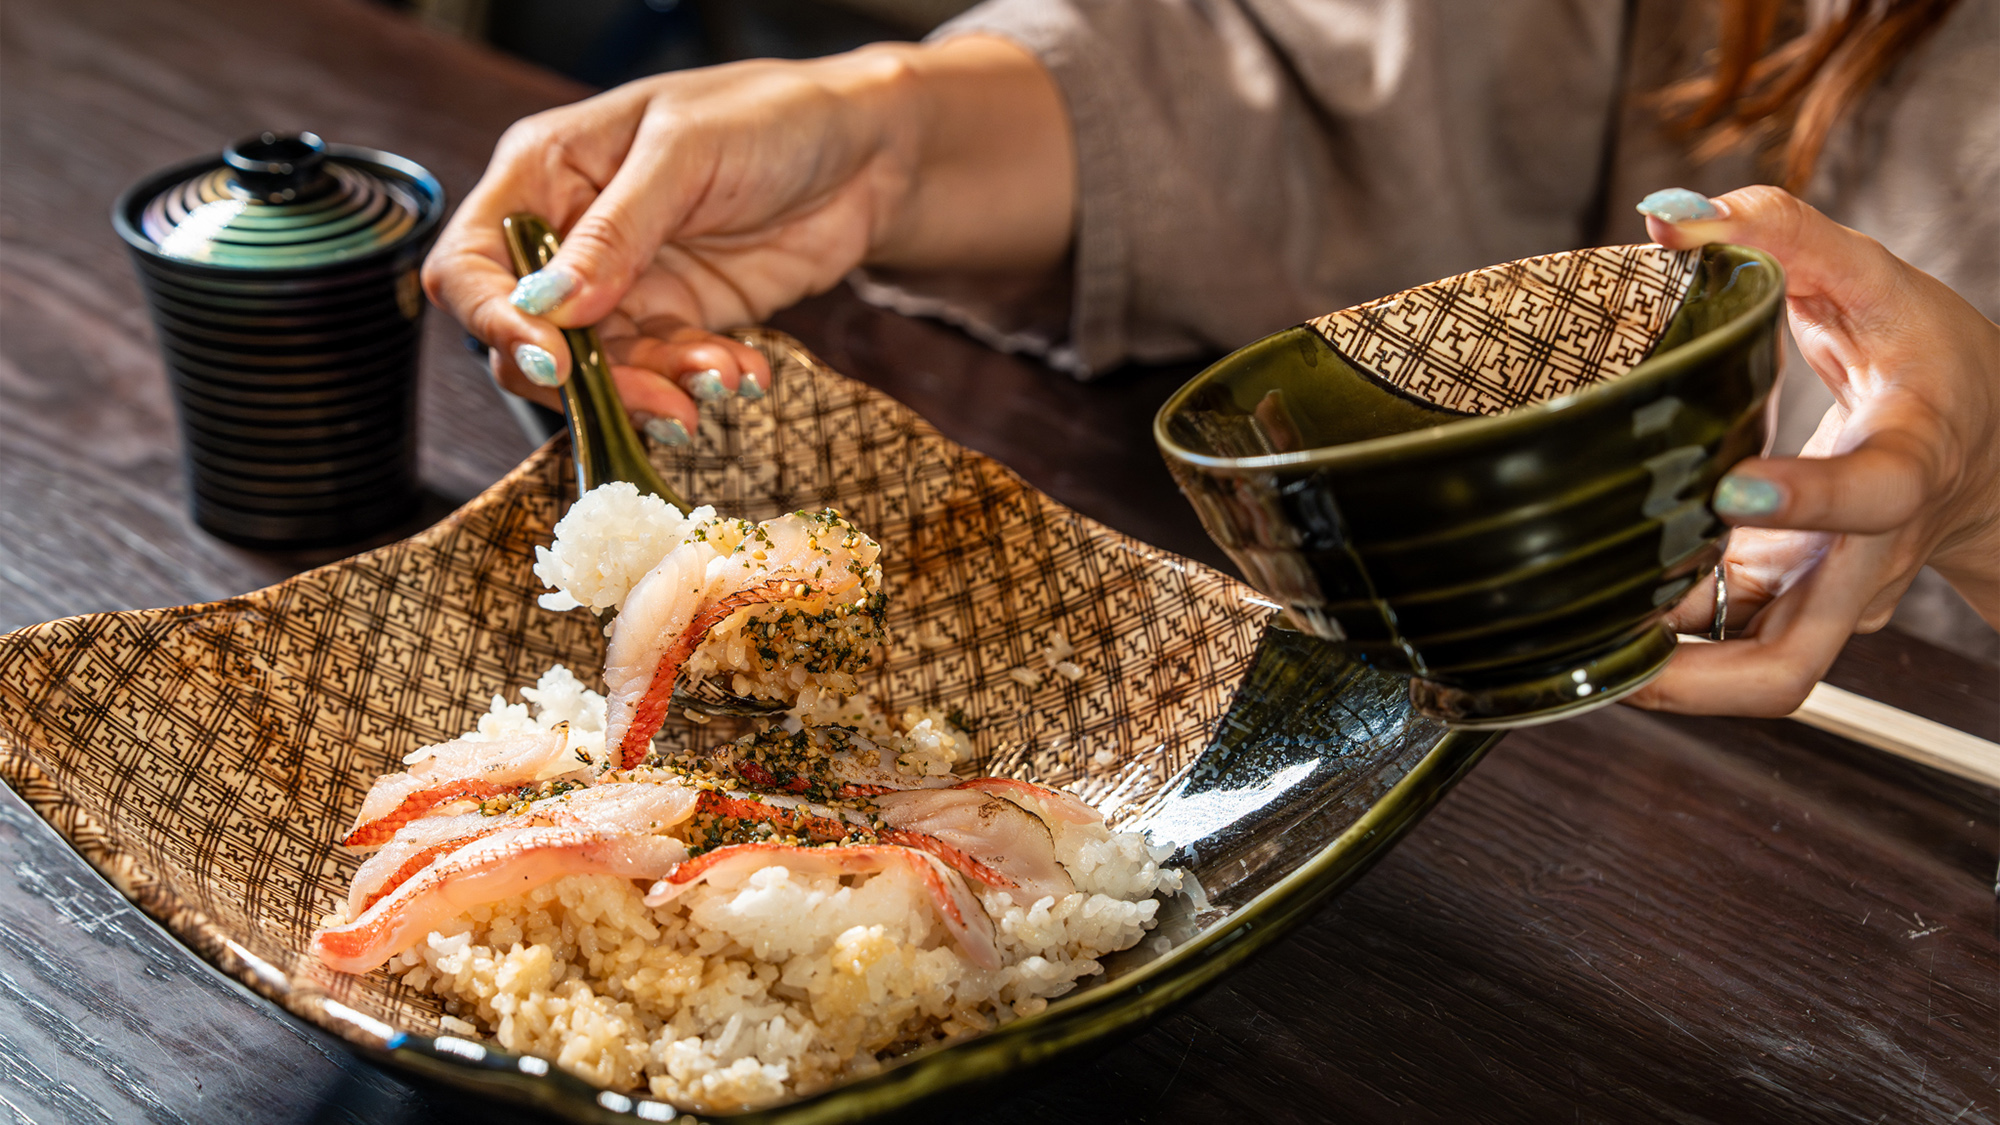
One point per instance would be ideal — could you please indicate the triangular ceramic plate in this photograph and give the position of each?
(205, 757)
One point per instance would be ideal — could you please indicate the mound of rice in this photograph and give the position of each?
(607, 541)
(735, 996)
(614, 535)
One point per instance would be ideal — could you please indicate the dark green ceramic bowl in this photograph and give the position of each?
(1496, 484)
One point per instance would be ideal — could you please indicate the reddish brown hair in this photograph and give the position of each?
(1797, 90)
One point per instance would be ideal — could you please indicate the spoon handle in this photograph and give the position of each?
(600, 432)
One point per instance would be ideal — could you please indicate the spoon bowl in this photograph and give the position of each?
(602, 439)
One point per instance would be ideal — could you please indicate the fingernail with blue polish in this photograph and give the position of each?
(1747, 497)
(749, 386)
(537, 364)
(1679, 205)
(667, 431)
(540, 292)
(706, 385)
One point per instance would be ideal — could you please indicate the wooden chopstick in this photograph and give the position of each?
(1898, 732)
(1893, 730)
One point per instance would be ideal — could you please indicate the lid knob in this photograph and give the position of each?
(277, 167)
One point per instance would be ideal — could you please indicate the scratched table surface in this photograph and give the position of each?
(1625, 917)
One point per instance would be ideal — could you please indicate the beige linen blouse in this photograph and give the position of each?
(1244, 165)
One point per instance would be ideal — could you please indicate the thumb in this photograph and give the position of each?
(1879, 486)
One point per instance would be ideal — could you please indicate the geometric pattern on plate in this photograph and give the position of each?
(207, 757)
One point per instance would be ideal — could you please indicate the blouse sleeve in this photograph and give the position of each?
(1244, 165)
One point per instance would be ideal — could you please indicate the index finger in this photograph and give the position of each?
(1820, 256)
(469, 275)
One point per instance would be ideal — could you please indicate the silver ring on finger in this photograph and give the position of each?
(1719, 628)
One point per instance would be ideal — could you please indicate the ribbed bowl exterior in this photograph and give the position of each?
(1491, 553)
(295, 388)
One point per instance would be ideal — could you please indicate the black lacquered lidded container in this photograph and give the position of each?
(282, 277)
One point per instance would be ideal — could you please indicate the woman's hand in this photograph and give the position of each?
(710, 198)
(1903, 471)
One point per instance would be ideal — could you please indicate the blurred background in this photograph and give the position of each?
(605, 42)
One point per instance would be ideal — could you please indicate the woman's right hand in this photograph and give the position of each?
(704, 199)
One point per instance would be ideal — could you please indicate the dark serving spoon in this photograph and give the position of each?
(602, 439)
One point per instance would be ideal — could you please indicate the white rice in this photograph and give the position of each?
(607, 541)
(739, 996)
(558, 697)
(735, 996)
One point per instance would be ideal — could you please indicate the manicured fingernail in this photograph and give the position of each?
(1678, 205)
(541, 291)
(749, 386)
(667, 431)
(1747, 497)
(537, 364)
(706, 385)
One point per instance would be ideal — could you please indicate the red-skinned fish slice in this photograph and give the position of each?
(1050, 804)
(652, 709)
(423, 859)
(507, 863)
(389, 866)
(957, 908)
(1015, 849)
(756, 775)
(955, 859)
(618, 807)
(465, 769)
(417, 805)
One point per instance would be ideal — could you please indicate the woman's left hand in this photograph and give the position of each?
(1904, 470)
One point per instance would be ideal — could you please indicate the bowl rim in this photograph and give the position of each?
(1457, 434)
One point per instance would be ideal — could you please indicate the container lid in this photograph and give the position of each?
(285, 201)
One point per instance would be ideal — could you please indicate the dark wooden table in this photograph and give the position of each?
(1625, 917)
